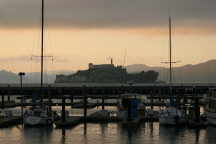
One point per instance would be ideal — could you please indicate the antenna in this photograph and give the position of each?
(42, 49)
(42, 40)
(170, 51)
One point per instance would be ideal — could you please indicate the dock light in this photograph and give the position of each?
(21, 74)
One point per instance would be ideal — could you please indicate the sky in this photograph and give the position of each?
(78, 32)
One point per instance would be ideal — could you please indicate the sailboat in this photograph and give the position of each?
(39, 115)
(171, 115)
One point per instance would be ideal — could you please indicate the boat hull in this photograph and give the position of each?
(37, 121)
(172, 116)
(167, 121)
(211, 118)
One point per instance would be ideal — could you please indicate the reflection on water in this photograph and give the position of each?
(149, 133)
(37, 135)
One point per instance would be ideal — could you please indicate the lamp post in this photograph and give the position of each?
(21, 74)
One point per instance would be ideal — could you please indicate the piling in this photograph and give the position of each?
(197, 110)
(85, 106)
(63, 109)
(3, 102)
(22, 100)
(63, 132)
(103, 107)
(8, 97)
(151, 101)
(71, 100)
(49, 100)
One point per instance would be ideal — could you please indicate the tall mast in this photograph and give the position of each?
(170, 50)
(42, 45)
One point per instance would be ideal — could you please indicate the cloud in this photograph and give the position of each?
(107, 13)
(34, 59)
(15, 59)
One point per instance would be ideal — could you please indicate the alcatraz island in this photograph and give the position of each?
(107, 73)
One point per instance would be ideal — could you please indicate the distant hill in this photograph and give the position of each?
(203, 72)
(10, 77)
(141, 67)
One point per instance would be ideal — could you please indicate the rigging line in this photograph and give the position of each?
(170, 49)
(42, 40)
(42, 50)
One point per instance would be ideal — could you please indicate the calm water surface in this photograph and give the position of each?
(111, 133)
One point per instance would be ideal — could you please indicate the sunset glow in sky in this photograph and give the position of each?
(79, 32)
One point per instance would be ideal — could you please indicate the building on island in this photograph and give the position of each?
(107, 73)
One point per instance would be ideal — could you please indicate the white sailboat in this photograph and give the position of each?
(171, 115)
(39, 115)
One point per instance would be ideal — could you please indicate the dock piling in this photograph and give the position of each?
(3, 101)
(63, 109)
(103, 107)
(49, 100)
(85, 106)
(72, 100)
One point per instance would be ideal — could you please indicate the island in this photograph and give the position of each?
(107, 73)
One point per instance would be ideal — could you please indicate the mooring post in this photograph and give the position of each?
(72, 100)
(63, 132)
(197, 108)
(50, 99)
(22, 104)
(151, 100)
(85, 106)
(103, 107)
(97, 103)
(8, 93)
(8, 98)
(178, 101)
(3, 103)
(63, 109)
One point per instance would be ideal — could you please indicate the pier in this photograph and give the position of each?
(64, 95)
(105, 89)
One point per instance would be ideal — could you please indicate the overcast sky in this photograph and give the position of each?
(107, 13)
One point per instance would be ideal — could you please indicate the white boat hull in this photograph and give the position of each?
(36, 121)
(167, 121)
(171, 116)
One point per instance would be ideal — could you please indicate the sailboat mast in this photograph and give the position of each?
(170, 49)
(42, 45)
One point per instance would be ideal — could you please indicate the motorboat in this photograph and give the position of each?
(129, 109)
(38, 116)
(172, 116)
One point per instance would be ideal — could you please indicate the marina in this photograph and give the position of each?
(87, 72)
(190, 103)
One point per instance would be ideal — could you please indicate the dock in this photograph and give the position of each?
(8, 122)
(69, 122)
